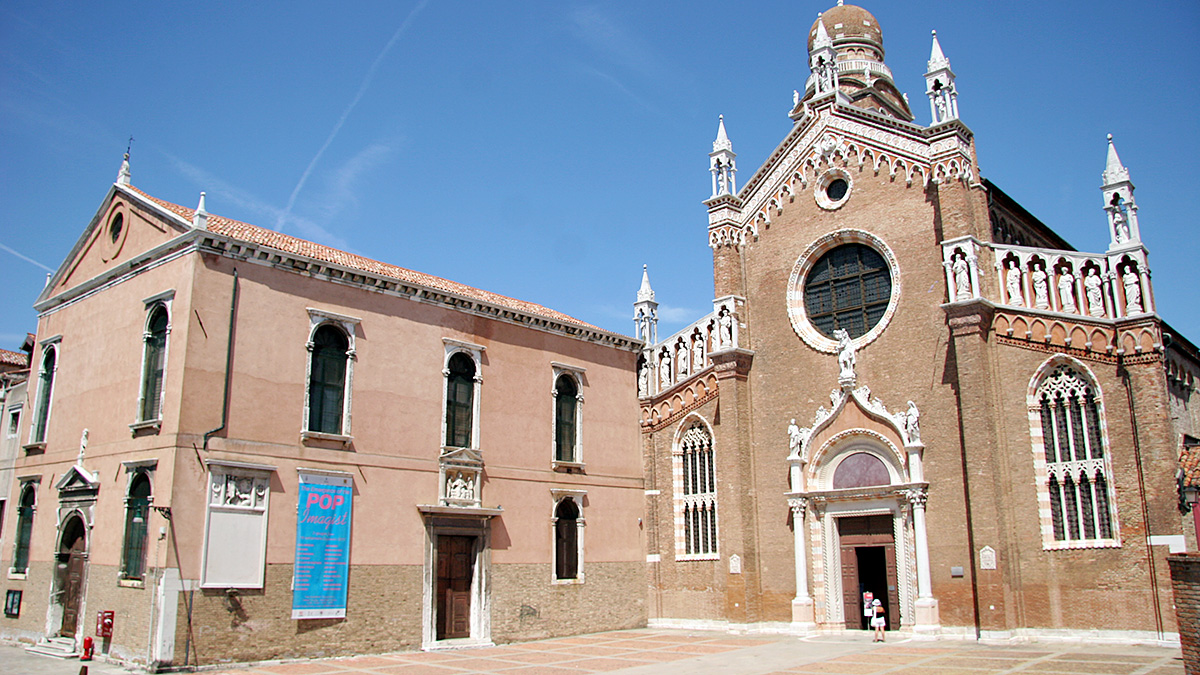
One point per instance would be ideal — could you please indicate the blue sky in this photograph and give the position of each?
(546, 150)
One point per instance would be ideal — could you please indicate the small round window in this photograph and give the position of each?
(848, 288)
(115, 226)
(833, 189)
(837, 189)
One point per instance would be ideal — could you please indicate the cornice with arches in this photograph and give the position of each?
(835, 141)
(670, 406)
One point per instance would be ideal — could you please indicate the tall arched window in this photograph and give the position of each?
(566, 539)
(41, 414)
(25, 511)
(1069, 411)
(327, 380)
(566, 410)
(154, 360)
(460, 391)
(137, 511)
(696, 491)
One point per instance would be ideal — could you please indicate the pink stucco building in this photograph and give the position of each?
(194, 377)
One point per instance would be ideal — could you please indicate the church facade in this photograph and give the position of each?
(996, 457)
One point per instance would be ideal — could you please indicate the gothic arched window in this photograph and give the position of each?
(327, 380)
(153, 362)
(137, 511)
(696, 493)
(41, 414)
(566, 539)
(460, 407)
(25, 509)
(1077, 482)
(566, 410)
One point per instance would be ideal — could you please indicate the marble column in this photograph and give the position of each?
(803, 616)
(926, 605)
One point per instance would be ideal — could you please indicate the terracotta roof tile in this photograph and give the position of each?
(19, 359)
(289, 244)
(1189, 465)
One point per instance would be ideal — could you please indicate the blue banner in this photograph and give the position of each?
(322, 565)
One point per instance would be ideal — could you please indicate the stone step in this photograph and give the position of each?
(57, 647)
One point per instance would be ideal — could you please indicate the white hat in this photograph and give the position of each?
(876, 603)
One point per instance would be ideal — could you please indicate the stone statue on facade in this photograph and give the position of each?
(644, 379)
(1066, 292)
(962, 277)
(726, 321)
(681, 358)
(794, 439)
(846, 357)
(1012, 283)
(1095, 297)
(1133, 291)
(459, 488)
(698, 354)
(664, 369)
(912, 423)
(1041, 292)
(1120, 225)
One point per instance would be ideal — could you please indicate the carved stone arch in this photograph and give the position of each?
(685, 424)
(1047, 368)
(833, 451)
(1078, 337)
(1057, 333)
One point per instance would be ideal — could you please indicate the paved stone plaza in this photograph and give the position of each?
(648, 651)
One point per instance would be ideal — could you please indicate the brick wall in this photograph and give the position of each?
(1185, 583)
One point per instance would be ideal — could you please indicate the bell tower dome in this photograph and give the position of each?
(857, 42)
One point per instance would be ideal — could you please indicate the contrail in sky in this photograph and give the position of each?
(362, 89)
(25, 258)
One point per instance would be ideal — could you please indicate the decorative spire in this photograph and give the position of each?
(1114, 170)
(721, 163)
(822, 39)
(936, 58)
(822, 61)
(939, 80)
(200, 219)
(645, 292)
(722, 142)
(645, 312)
(1119, 203)
(124, 175)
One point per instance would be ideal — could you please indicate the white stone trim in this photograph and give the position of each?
(796, 310)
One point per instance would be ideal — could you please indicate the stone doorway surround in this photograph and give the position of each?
(857, 425)
(77, 492)
(443, 525)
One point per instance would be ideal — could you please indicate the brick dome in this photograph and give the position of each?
(855, 24)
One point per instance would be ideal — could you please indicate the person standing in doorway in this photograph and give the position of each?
(878, 620)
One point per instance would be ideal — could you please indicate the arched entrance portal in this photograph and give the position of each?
(70, 567)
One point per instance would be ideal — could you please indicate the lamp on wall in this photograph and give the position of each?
(1188, 495)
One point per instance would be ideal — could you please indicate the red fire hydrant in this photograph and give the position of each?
(88, 647)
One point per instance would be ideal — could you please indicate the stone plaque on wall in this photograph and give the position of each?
(735, 564)
(987, 558)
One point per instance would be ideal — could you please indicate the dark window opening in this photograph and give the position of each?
(460, 393)
(327, 380)
(848, 288)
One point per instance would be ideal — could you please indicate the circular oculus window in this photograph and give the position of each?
(846, 280)
(833, 189)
